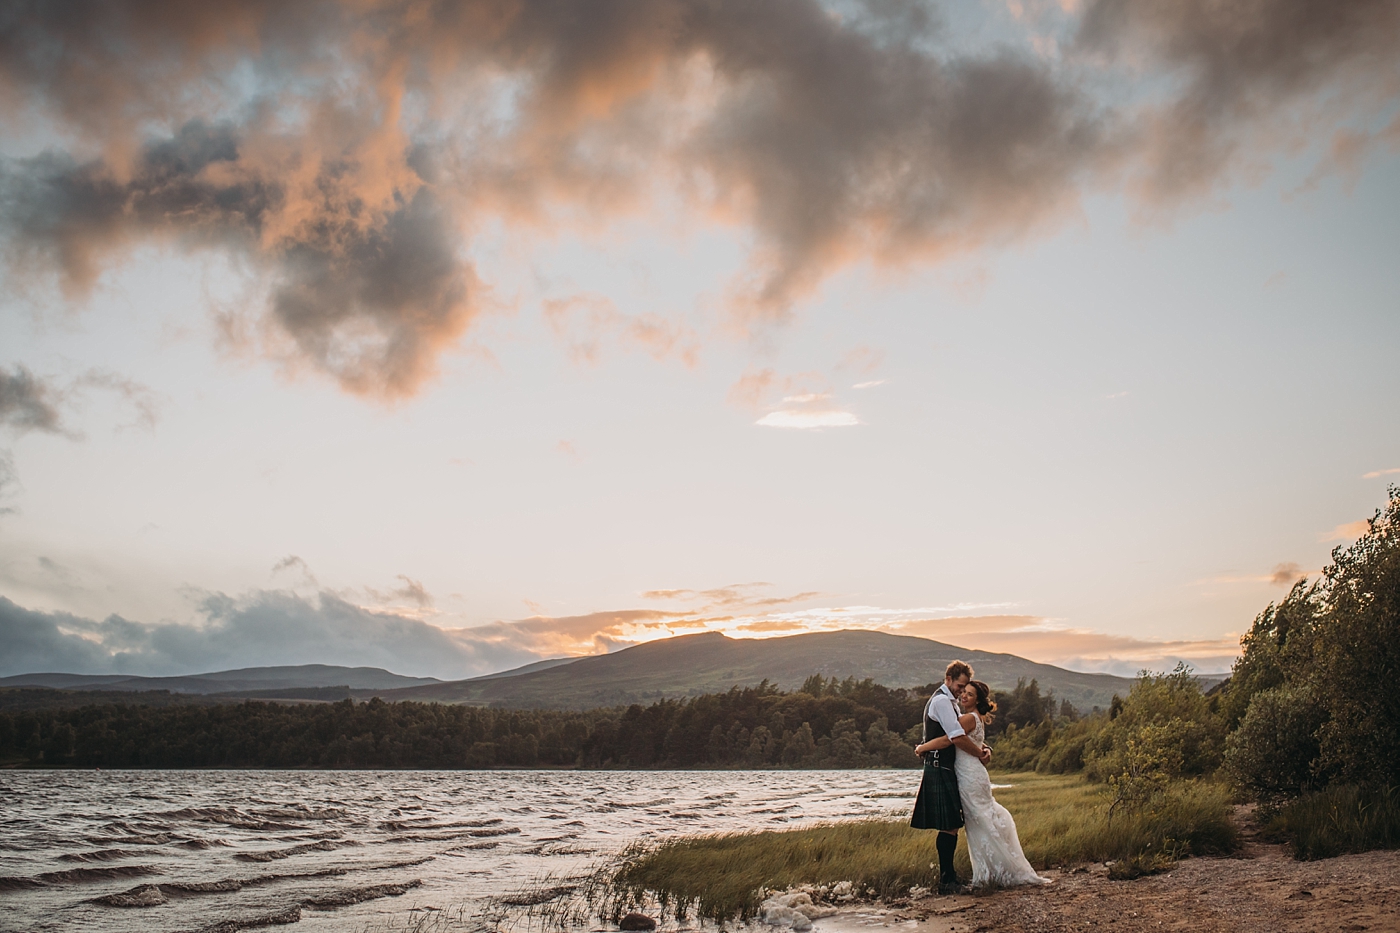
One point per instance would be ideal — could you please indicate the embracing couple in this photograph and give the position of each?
(957, 792)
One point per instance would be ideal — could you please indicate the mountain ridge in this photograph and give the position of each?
(678, 667)
(711, 662)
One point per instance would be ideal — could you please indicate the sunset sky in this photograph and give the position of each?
(444, 337)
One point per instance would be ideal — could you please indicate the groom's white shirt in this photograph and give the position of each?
(942, 708)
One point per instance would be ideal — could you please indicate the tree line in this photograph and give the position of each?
(824, 724)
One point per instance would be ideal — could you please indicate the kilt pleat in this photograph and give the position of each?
(938, 805)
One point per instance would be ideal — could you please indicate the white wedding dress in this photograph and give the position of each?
(992, 842)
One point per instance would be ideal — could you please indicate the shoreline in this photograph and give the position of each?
(1261, 889)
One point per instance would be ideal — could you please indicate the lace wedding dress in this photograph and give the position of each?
(992, 842)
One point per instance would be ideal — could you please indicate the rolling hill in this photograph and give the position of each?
(690, 665)
(263, 681)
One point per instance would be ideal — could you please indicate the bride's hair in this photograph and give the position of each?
(986, 706)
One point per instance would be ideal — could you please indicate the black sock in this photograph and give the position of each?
(947, 846)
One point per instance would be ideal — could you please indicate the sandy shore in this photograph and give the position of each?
(1262, 889)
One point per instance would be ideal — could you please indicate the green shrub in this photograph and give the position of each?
(1274, 751)
(1161, 711)
(1064, 753)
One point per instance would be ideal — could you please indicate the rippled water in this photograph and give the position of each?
(185, 850)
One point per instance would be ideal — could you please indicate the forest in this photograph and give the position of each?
(824, 724)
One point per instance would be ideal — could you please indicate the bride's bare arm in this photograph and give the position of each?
(966, 720)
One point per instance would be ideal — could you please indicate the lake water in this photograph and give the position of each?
(155, 851)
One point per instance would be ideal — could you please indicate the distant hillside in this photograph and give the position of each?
(262, 681)
(690, 665)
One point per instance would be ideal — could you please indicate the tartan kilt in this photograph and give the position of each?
(938, 805)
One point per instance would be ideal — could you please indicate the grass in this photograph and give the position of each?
(1341, 818)
(1061, 819)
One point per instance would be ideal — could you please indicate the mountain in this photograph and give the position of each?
(690, 665)
(264, 681)
(523, 669)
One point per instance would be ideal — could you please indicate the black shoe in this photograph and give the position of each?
(953, 887)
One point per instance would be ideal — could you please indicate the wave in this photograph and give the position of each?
(426, 822)
(101, 855)
(11, 883)
(270, 855)
(281, 918)
(357, 895)
(459, 834)
(79, 875)
(146, 895)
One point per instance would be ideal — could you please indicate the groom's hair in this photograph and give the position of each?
(957, 669)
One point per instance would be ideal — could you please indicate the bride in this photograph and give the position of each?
(992, 843)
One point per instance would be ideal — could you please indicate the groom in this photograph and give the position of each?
(938, 806)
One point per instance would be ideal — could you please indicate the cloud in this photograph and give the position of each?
(31, 403)
(584, 321)
(1245, 79)
(806, 419)
(1377, 474)
(344, 154)
(1283, 574)
(732, 597)
(1055, 643)
(751, 388)
(870, 385)
(367, 282)
(268, 627)
(293, 562)
(1347, 531)
(9, 480)
(28, 403)
(260, 628)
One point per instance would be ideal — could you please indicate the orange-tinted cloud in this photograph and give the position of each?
(1347, 531)
(583, 322)
(345, 152)
(1081, 649)
(1283, 574)
(736, 596)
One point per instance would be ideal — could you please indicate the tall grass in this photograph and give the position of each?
(1341, 818)
(1061, 819)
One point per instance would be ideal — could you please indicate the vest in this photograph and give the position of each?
(941, 758)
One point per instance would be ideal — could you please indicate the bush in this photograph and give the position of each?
(1337, 641)
(1064, 753)
(1341, 818)
(1019, 747)
(1166, 714)
(1274, 752)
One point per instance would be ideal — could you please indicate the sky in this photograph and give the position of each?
(448, 337)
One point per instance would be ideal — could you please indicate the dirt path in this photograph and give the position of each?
(1262, 889)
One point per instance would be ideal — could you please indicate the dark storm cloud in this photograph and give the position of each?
(347, 150)
(28, 402)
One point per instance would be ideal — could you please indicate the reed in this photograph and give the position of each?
(1340, 818)
(1062, 819)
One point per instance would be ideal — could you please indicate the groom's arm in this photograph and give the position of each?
(972, 748)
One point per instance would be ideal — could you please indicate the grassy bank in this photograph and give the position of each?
(1061, 819)
(1341, 818)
